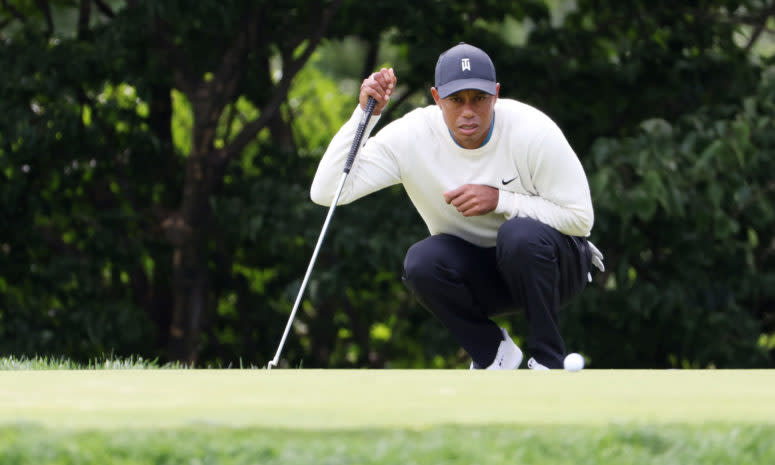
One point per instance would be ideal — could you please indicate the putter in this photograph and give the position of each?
(348, 164)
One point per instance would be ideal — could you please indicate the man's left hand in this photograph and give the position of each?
(473, 199)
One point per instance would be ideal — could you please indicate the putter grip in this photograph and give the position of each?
(359, 133)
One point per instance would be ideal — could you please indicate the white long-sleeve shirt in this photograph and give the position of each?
(547, 180)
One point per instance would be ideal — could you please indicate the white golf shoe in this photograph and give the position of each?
(508, 356)
(534, 365)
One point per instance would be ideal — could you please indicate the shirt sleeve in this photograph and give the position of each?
(374, 168)
(562, 198)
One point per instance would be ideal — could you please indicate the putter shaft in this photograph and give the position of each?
(276, 358)
(348, 164)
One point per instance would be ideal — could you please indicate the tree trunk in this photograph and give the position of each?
(192, 294)
(189, 230)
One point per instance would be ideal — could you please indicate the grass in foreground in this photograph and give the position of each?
(453, 445)
(379, 399)
(25, 363)
(107, 362)
(236, 417)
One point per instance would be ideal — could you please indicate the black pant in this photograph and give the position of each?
(533, 267)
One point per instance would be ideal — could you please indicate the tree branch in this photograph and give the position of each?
(757, 32)
(232, 63)
(313, 41)
(759, 22)
(371, 58)
(224, 82)
(14, 11)
(46, 9)
(757, 17)
(280, 92)
(249, 131)
(84, 18)
(230, 116)
(182, 76)
(105, 9)
(211, 96)
(753, 18)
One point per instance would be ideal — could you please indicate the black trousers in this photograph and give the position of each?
(533, 268)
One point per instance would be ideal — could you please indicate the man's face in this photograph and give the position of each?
(468, 114)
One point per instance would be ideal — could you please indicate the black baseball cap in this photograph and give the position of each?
(464, 67)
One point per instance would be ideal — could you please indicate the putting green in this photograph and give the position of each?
(354, 399)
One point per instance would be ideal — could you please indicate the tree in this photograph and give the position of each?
(156, 157)
(226, 55)
(215, 54)
(246, 36)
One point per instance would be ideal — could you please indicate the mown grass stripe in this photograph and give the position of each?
(355, 399)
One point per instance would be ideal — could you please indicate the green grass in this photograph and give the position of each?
(171, 416)
(25, 363)
(346, 399)
(463, 445)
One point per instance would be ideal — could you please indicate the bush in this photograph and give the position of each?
(685, 216)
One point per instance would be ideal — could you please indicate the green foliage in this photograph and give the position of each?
(73, 157)
(611, 64)
(182, 122)
(315, 106)
(685, 214)
(98, 125)
(619, 444)
(355, 284)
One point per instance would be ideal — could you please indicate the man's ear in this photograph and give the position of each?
(435, 94)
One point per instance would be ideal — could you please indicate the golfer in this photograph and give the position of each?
(503, 195)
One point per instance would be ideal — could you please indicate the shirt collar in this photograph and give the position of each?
(486, 139)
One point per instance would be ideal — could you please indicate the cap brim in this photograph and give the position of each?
(466, 84)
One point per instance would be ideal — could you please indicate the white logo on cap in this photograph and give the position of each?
(466, 64)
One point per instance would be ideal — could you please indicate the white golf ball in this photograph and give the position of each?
(573, 362)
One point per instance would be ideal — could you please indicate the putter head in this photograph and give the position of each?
(271, 364)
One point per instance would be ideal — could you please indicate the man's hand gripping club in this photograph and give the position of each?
(379, 85)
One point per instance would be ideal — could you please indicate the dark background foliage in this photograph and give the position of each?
(155, 161)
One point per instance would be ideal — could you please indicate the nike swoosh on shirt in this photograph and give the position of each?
(504, 182)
